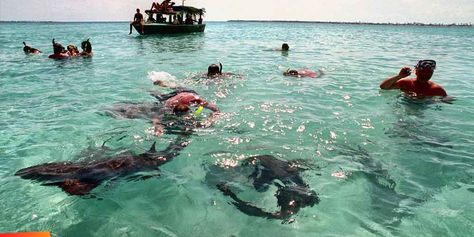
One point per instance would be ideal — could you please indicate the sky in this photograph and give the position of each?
(394, 11)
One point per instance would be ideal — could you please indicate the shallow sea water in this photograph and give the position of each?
(341, 122)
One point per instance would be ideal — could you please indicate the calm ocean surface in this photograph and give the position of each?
(342, 122)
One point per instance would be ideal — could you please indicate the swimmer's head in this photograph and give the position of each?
(58, 48)
(214, 70)
(26, 49)
(86, 46)
(285, 47)
(72, 48)
(424, 69)
(181, 108)
(290, 73)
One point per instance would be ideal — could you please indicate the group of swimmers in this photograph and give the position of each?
(59, 52)
(417, 87)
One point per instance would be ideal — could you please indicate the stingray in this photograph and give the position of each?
(79, 178)
(389, 205)
(292, 192)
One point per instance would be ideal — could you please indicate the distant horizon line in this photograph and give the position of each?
(272, 21)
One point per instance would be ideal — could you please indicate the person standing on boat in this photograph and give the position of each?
(138, 19)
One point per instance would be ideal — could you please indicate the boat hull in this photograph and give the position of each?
(163, 28)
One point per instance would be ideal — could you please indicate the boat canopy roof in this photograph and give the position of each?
(187, 9)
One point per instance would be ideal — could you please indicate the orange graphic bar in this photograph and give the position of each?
(27, 234)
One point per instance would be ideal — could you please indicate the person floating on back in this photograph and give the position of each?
(137, 20)
(420, 86)
(29, 50)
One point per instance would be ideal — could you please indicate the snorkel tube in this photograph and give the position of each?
(198, 111)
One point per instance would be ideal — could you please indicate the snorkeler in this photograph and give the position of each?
(178, 103)
(419, 86)
(59, 51)
(303, 73)
(215, 71)
(86, 47)
(29, 50)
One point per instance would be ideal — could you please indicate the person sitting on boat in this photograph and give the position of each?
(302, 73)
(137, 20)
(160, 18)
(86, 47)
(175, 20)
(150, 18)
(72, 50)
(189, 20)
(59, 51)
(29, 50)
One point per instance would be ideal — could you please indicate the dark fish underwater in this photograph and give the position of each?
(82, 177)
(292, 194)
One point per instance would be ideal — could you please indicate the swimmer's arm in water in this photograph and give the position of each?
(391, 83)
(164, 84)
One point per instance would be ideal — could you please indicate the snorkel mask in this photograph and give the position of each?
(426, 64)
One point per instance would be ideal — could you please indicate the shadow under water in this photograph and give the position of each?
(389, 206)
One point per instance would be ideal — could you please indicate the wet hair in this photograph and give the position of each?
(291, 72)
(86, 46)
(214, 69)
(57, 48)
(72, 47)
(180, 109)
(285, 47)
(26, 49)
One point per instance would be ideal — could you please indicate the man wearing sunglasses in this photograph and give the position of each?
(418, 87)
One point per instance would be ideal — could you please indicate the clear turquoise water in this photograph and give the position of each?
(53, 111)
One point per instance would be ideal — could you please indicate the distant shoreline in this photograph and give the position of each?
(359, 23)
(276, 21)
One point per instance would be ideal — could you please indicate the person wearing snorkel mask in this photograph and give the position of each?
(215, 71)
(178, 104)
(418, 87)
(302, 73)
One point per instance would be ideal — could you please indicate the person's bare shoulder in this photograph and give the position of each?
(438, 90)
